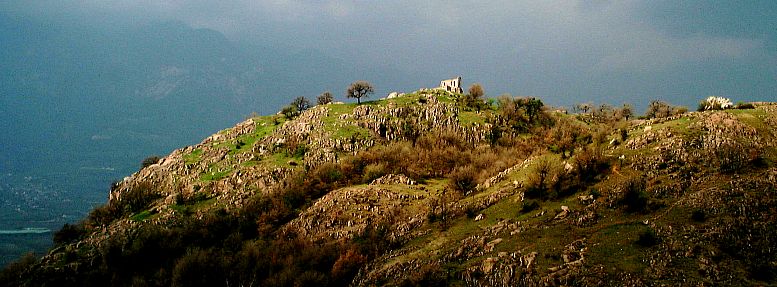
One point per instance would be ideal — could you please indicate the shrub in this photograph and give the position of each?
(635, 198)
(543, 176)
(373, 172)
(660, 109)
(647, 238)
(68, 234)
(429, 275)
(715, 103)
(149, 161)
(324, 98)
(731, 157)
(529, 205)
(16, 270)
(137, 197)
(347, 265)
(289, 111)
(567, 135)
(474, 95)
(463, 179)
(301, 103)
(745, 106)
(198, 268)
(698, 215)
(624, 134)
(589, 162)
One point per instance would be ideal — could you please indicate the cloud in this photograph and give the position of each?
(655, 52)
(537, 47)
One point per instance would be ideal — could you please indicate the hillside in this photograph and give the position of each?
(430, 189)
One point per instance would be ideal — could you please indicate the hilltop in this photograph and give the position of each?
(430, 189)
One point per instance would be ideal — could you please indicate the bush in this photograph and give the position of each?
(635, 198)
(149, 161)
(745, 106)
(731, 157)
(699, 215)
(529, 205)
(544, 175)
(104, 215)
(430, 275)
(68, 234)
(463, 179)
(137, 197)
(660, 109)
(347, 265)
(289, 112)
(590, 162)
(715, 103)
(324, 98)
(198, 268)
(474, 97)
(373, 172)
(647, 238)
(17, 270)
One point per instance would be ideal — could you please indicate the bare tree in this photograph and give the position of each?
(358, 90)
(301, 103)
(324, 98)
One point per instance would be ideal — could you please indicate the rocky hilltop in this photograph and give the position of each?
(428, 189)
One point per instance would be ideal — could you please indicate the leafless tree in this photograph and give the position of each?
(358, 90)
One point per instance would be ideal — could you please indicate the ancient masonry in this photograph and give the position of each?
(451, 85)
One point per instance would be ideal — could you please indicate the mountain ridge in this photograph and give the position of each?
(431, 189)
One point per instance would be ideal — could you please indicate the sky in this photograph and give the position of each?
(564, 52)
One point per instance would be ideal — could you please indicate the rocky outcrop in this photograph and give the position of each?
(345, 213)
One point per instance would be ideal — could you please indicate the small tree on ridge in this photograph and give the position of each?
(324, 98)
(358, 90)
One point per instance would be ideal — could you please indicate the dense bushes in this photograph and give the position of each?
(590, 162)
(660, 109)
(218, 248)
(521, 113)
(69, 233)
(545, 174)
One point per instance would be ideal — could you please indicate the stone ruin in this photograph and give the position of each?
(451, 85)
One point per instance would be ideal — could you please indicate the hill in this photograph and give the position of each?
(433, 189)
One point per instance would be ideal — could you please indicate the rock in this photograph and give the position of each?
(488, 264)
(479, 217)
(586, 199)
(393, 179)
(491, 244)
(564, 212)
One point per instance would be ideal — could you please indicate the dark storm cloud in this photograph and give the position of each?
(564, 50)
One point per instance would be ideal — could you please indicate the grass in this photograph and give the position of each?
(471, 118)
(349, 131)
(142, 216)
(616, 246)
(193, 157)
(753, 118)
(214, 173)
(193, 206)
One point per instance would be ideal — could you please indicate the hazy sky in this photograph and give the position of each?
(562, 51)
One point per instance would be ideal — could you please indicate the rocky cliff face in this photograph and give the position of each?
(683, 199)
